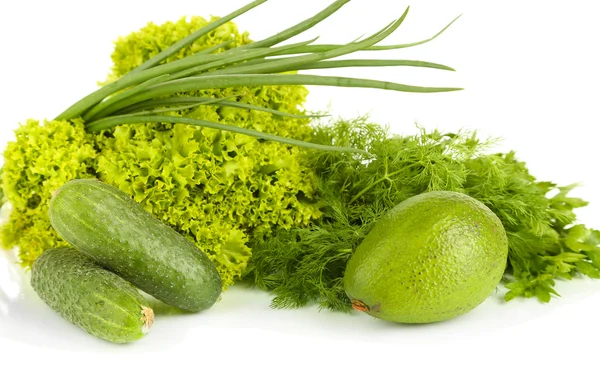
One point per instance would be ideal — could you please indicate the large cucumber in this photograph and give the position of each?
(91, 297)
(107, 225)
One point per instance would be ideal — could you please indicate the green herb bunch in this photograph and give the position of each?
(306, 265)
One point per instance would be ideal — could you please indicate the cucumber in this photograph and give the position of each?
(107, 225)
(91, 297)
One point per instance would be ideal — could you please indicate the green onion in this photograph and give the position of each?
(146, 92)
(228, 81)
(188, 102)
(123, 96)
(109, 122)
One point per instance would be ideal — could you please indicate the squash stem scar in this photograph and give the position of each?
(360, 306)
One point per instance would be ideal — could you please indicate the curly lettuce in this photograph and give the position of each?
(132, 50)
(216, 188)
(41, 159)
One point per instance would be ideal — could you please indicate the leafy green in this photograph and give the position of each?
(134, 49)
(38, 162)
(2, 198)
(215, 187)
(304, 265)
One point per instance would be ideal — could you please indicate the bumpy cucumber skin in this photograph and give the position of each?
(91, 297)
(111, 228)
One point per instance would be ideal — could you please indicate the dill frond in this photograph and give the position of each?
(306, 265)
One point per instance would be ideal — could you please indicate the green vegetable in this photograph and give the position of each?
(247, 65)
(303, 265)
(91, 297)
(431, 258)
(2, 198)
(111, 228)
(40, 160)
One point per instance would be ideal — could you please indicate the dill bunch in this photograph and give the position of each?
(305, 265)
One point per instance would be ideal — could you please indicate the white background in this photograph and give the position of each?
(530, 73)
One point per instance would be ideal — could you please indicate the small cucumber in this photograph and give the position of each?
(91, 297)
(107, 225)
